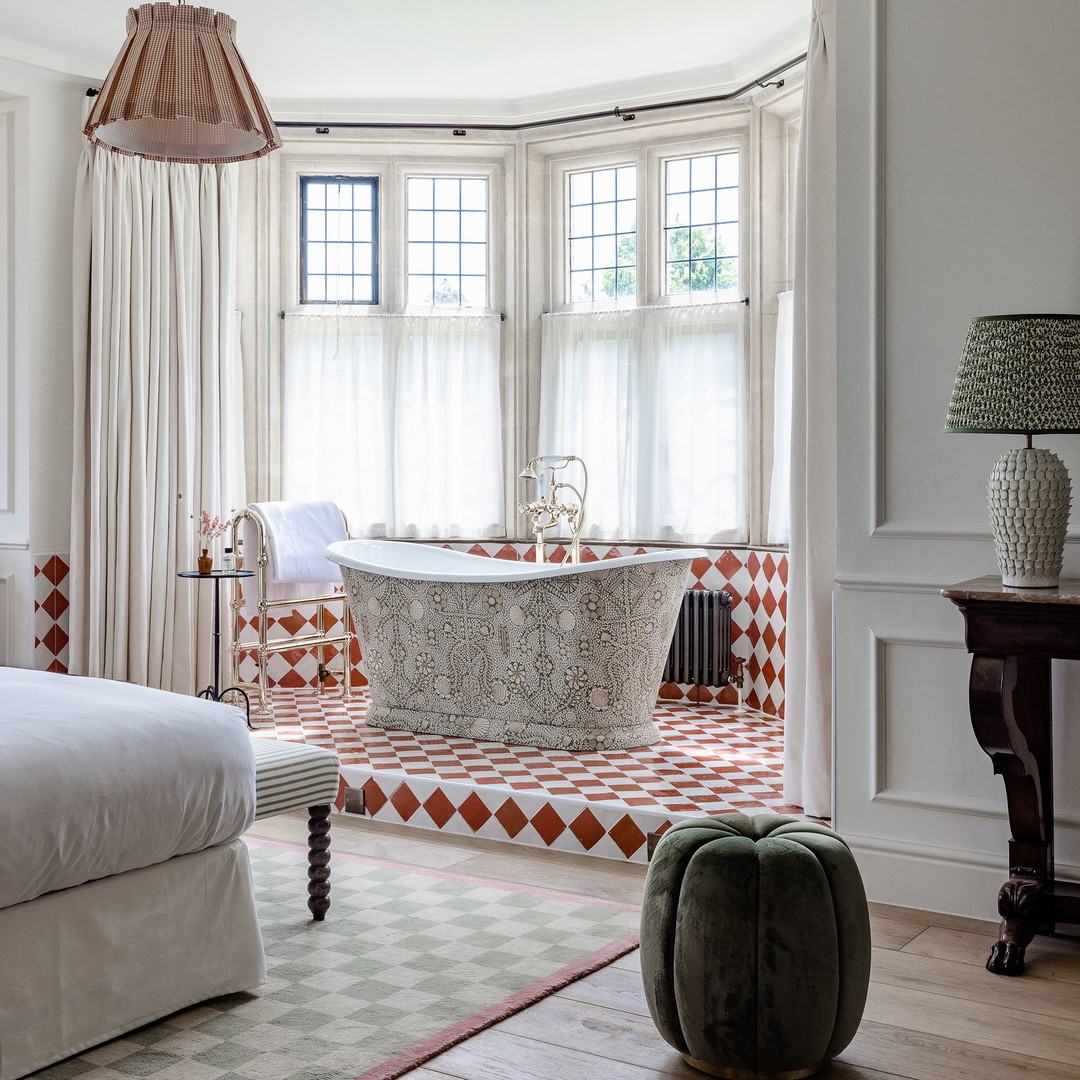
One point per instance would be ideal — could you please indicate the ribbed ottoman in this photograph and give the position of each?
(295, 776)
(755, 945)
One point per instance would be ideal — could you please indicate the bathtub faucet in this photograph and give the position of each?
(547, 510)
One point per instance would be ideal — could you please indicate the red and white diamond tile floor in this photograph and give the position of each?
(711, 760)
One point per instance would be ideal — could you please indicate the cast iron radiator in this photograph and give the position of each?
(701, 646)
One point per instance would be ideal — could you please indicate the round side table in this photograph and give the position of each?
(214, 691)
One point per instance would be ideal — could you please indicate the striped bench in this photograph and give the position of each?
(295, 776)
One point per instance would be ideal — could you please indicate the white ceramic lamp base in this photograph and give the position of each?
(1029, 497)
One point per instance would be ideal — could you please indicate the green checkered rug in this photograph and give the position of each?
(407, 963)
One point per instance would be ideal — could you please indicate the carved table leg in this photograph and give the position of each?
(1018, 906)
(319, 861)
(1010, 713)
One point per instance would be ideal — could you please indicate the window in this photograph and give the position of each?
(447, 241)
(390, 383)
(701, 224)
(392, 386)
(643, 372)
(602, 240)
(338, 240)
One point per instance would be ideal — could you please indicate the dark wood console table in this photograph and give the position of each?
(1012, 635)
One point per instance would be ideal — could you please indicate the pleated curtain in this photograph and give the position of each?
(808, 705)
(157, 426)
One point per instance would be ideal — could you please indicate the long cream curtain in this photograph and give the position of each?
(808, 686)
(157, 430)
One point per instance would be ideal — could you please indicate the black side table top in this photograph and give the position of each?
(216, 574)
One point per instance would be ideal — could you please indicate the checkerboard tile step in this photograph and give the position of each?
(711, 760)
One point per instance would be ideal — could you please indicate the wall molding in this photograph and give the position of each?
(940, 530)
(877, 241)
(880, 526)
(950, 880)
(879, 790)
(930, 530)
(852, 581)
(7, 619)
(7, 312)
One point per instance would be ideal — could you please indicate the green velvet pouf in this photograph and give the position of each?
(755, 945)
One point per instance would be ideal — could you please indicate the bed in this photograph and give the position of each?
(125, 891)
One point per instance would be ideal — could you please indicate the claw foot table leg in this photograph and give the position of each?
(1018, 906)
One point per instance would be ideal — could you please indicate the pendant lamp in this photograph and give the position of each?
(1020, 374)
(179, 91)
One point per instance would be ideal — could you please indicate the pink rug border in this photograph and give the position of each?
(435, 1044)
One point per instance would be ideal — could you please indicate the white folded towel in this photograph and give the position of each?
(297, 536)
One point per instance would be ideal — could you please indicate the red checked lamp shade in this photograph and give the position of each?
(179, 91)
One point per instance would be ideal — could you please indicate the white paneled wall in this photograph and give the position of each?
(957, 197)
(40, 140)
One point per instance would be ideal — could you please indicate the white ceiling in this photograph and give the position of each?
(460, 59)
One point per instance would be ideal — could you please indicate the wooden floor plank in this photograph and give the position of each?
(925, 918)
(887, 932)
(917, 1055)
(501, 1055)
(622, 883)
(347, 836)
(972, 983)
(1056, 958)
(612, 987)
(1003, 1028)
(608, 1033)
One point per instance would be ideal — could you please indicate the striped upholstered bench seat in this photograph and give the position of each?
(295, 776)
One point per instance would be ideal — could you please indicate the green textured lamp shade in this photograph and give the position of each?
(1018, 374)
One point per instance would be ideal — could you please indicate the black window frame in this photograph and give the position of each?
(372, 182)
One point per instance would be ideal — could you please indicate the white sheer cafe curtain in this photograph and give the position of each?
(812, 569)
(397, 418)
(649, 398)
(157, 426)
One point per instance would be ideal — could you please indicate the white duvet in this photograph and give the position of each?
(99, 777)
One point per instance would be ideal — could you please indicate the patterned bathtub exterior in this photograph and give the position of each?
(571, 662)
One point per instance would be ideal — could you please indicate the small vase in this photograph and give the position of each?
(206, 563)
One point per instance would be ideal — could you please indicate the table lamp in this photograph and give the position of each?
(1020, 374)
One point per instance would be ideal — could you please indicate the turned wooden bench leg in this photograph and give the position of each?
(319, 860)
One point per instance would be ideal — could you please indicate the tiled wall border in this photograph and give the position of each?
(52, 578)
(757, 581)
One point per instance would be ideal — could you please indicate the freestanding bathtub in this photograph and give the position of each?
(568, 657)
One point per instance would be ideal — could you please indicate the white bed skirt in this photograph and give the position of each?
(75, 968)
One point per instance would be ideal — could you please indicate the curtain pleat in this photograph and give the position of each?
(157, 422)
(812, 570)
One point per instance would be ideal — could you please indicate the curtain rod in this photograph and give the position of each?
(622, 114)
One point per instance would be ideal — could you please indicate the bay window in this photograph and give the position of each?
(451, 308)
